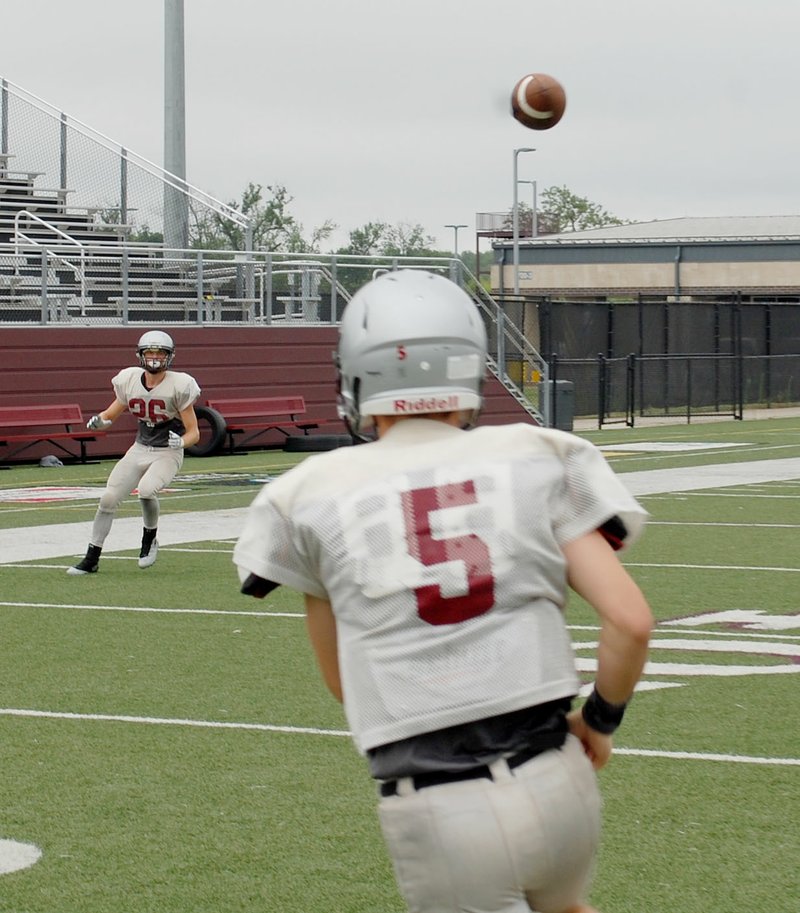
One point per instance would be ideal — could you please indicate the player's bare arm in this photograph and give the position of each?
(321, 626)
(596, 574)
(191, 435)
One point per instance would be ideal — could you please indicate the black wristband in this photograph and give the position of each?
(602, 716)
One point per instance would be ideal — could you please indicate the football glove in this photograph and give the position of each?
(96, 423)
(175, 441)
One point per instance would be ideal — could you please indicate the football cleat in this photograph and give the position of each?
(149, 550)
(89, 564)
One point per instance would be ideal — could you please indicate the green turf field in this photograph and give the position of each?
(168, 744)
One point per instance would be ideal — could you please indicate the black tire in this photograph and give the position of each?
(212, 432)
(313, 443)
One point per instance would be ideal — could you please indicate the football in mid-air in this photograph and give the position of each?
(538, 101)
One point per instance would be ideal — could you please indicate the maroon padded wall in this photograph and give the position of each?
(76, 364)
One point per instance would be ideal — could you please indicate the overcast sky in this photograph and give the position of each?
(398, 110)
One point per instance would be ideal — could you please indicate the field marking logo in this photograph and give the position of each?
(761, 646)
(47, 493)
(15, 856)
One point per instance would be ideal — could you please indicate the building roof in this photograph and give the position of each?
(705, 228)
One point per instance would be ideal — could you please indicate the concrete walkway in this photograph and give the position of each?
(70, 539)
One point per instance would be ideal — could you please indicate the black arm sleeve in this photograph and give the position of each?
(258, 587)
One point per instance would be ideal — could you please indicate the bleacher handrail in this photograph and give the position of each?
(117, 149)
(79, 272)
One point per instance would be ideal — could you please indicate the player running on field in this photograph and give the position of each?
(163, 401)
(435, 564)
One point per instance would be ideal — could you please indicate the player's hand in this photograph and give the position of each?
(97, 423)
(596, 745)
(175, 441)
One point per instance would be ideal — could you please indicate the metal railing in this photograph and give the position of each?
(130, 284)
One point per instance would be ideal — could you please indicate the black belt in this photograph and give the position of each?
(437, 777)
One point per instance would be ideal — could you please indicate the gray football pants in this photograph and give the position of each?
(524, 841)
(147, 469)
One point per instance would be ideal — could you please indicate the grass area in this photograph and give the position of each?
(168, 744)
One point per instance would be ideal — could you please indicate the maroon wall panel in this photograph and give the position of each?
(76, 364)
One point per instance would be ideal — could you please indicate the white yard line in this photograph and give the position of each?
(306, 730)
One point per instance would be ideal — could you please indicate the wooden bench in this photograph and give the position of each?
(50, 424)
(260, 414)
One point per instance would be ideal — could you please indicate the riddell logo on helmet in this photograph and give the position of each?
(426, 404)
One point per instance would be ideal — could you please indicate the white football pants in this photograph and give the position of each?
(524, 841)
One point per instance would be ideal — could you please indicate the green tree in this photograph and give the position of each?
(269, 219)
(365, 241)
(563, 210)
(274, 227)
(400, 240)
(407, 240)
(296, 242)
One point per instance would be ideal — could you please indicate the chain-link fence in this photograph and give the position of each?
(77, 174)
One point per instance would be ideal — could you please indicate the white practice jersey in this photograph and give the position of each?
(440, 552)
(158, 410)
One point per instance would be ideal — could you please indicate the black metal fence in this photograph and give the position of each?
(618, 390)
(648, 325)
(654, 356)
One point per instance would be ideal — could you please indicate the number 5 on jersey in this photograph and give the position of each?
(432, 606)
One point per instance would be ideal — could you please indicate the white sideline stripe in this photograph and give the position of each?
(735, 525)
(772, 636)
(159, 721)
(307, 730)
(149, 609)
(706, 756)
(748, 493)
(714, 567)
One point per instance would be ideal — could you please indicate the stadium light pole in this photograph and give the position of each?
(534, 215)
(515, 218)
(455, 235)
(176, 205)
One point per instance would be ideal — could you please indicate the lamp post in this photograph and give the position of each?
(455, 234)
(515, 219)
(534, 214)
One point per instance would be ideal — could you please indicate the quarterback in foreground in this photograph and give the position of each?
(435, 563)
(163, 402)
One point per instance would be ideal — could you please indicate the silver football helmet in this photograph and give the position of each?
(155, 340)
(410, 342)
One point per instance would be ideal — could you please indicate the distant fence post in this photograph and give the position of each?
(201, 296)
(4, 117)
(630, 391)
(688, 389)
(123, 186)
(63, 150)
(334, 292)
(550, 391)
(739, 359)
(44, 287)
(601, 389)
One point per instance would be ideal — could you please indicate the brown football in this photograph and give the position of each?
(538, 101)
